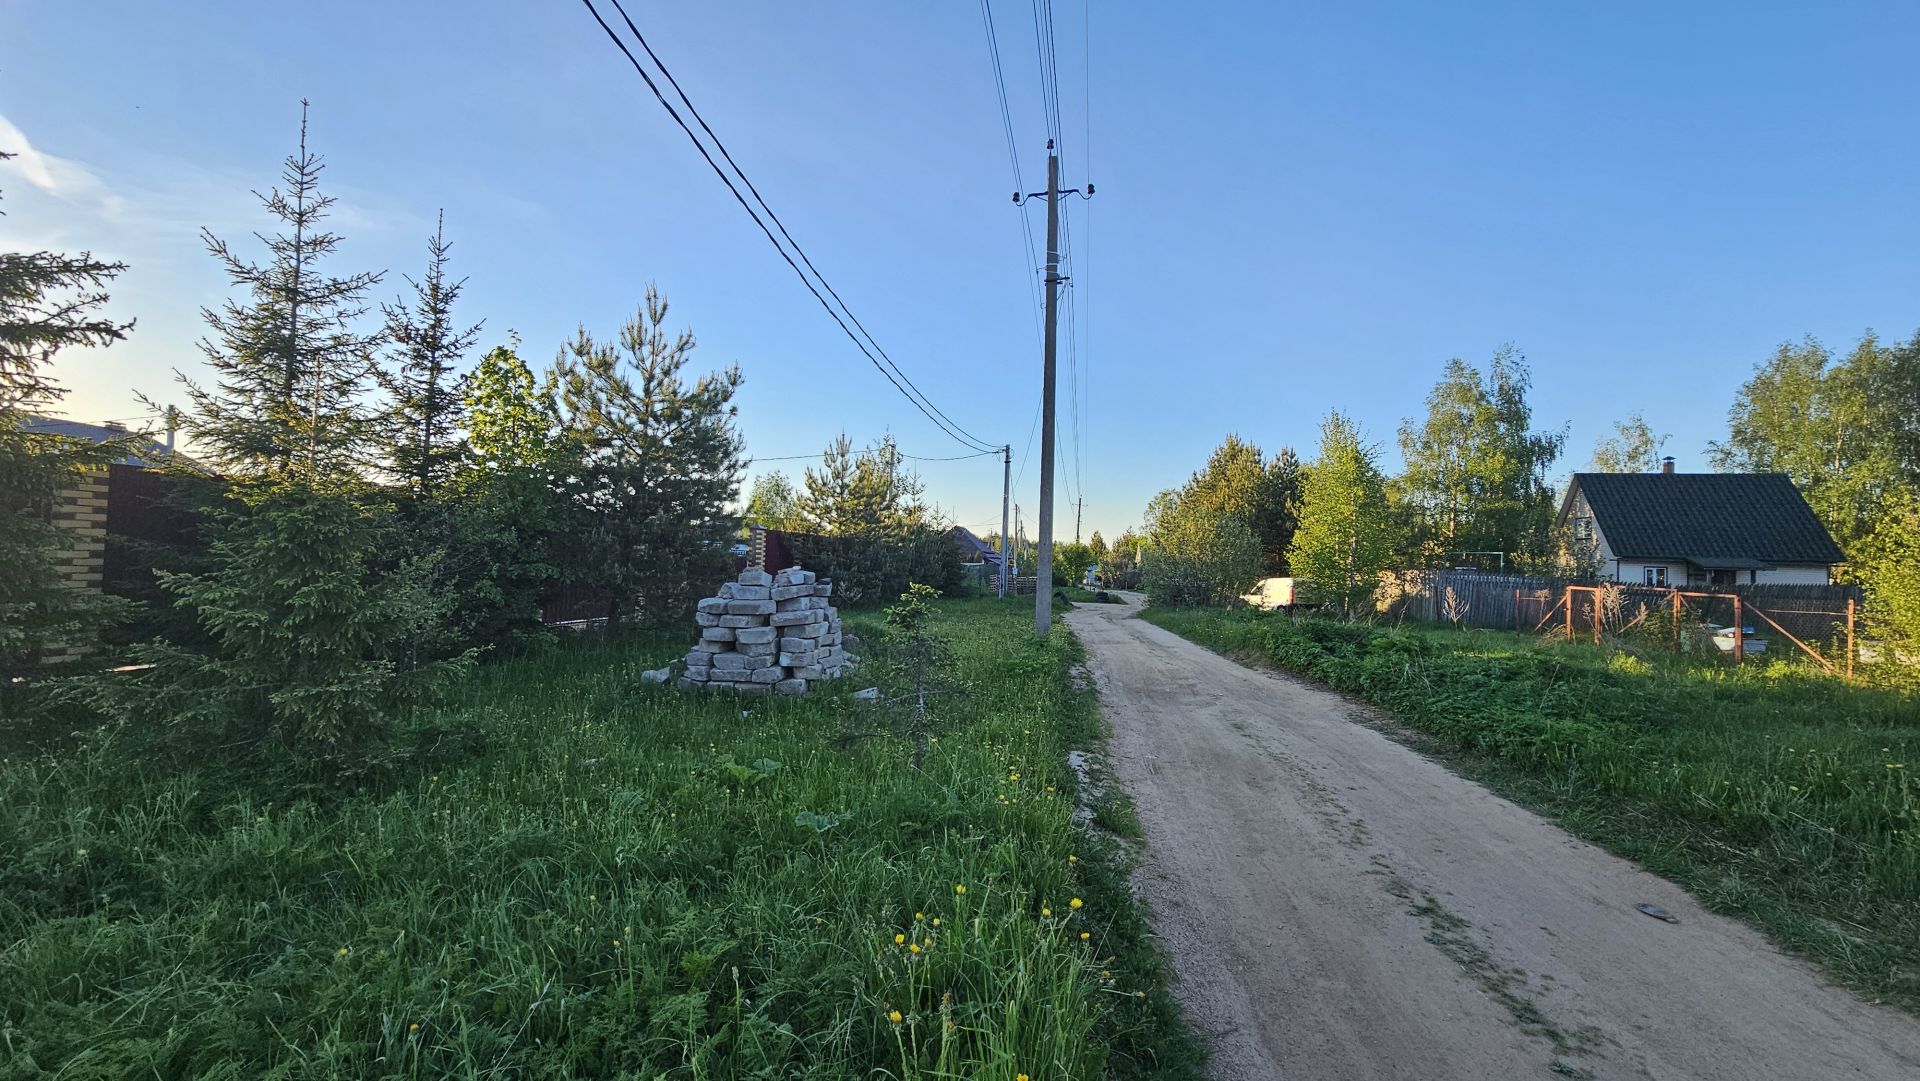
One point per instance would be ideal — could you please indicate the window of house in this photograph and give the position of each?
(1656, 576)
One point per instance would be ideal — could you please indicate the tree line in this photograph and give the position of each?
(1474, 487)
(370, 518)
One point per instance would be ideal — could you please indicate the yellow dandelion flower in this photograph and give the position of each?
(894, 1016)
(1084, 936)
(915, 948)
(1071, 858)
(1139, 994)
(1046, 912)
(1020, 1077)
(960, 889)
(919, 915)
(936, 921)
(415, 1027)
(616, 943)
(343, 951)
(899, 940)
(1075, 903)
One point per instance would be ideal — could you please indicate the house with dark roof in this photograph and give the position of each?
(973, 549)
(1694, 530)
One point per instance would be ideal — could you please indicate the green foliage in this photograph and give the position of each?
(922, 659)
(291, 370)
(617, 881)
(313, 655)
(866, 527)
(772, 502)
(1848, 433)
(662, 465)
(1888, 567)
(512, 422)
(48, 302)
(420, 441)
(1070, 562)
(1632, 448)
(1209, 540)
(1476, 474)
(1198, 559)
(1771, 792)
(1346, 535)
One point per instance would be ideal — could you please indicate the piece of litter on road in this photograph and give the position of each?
(1657, 912)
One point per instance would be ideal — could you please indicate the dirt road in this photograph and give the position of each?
(1338, 906)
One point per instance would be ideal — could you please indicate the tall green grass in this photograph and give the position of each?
(1770, 791)
(625, 881)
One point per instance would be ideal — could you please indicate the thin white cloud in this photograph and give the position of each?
(62, 178)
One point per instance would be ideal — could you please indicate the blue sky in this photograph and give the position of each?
(1301, 206)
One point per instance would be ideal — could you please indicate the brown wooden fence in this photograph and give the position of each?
(1818, 621)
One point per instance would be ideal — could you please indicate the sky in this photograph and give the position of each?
(1299, 207)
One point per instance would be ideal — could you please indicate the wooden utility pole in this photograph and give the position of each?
(1078, 506)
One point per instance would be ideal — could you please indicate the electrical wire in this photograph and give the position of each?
(891, 371)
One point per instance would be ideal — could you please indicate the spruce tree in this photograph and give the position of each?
(662, 463)
(48, 302)
(422, 438)
(312, 635)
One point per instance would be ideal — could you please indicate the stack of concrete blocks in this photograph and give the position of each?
(767, 633)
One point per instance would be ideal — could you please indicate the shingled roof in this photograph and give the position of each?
(1715, 520)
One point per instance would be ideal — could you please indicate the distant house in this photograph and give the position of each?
(1697, 529)
(120, 502)
(973, 549)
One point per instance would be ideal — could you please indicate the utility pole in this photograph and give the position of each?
(1043, 560)
(1078, 506)
(1006, 494)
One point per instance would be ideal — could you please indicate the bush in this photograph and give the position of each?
(872, 568)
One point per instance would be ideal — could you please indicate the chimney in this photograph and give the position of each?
(1666, 465)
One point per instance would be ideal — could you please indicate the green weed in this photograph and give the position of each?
(621, 880)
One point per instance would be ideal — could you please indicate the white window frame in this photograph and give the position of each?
(1655, 576)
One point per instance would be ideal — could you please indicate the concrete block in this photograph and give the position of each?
(717, 634)
(688, 683)
(754, 635)
(755, 576)
(823, 589)
(773, 673)
(790, 619)
(705, 619)
(751, 593)
(712, 606)
(791, 686)
(705, 646)
(754, 649)
(749, 608)
(810, 630)
(794, 604)
(725, 592)
(737, 622)
(731, 662)
(809, 671)
(798, 658)
(787, 593)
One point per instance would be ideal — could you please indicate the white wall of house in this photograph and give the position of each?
(1634, 572)
(1796, 574)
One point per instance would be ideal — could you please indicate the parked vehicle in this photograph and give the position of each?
(1722, 639)
(1271, 594)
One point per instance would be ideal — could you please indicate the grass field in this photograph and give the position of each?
(618, 881)
(1771, 792)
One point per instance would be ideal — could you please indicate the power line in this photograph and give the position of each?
(916, 397)
(912, 457)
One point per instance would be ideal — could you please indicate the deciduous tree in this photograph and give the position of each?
(1632, 448)
(1346, 535)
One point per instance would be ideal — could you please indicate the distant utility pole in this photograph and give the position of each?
(1006, 494)
(1078, 506)
(1043, 558)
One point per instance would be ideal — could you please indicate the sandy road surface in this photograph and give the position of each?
(1338, 906)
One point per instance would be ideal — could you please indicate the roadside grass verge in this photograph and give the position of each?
(623, 880)
(1770, 792)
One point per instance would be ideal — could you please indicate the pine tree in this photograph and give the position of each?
(662, 464)
(423, 445)
(1346, 535)
(861, 493)
(48, 302)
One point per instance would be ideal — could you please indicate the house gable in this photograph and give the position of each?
(1733, 525)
